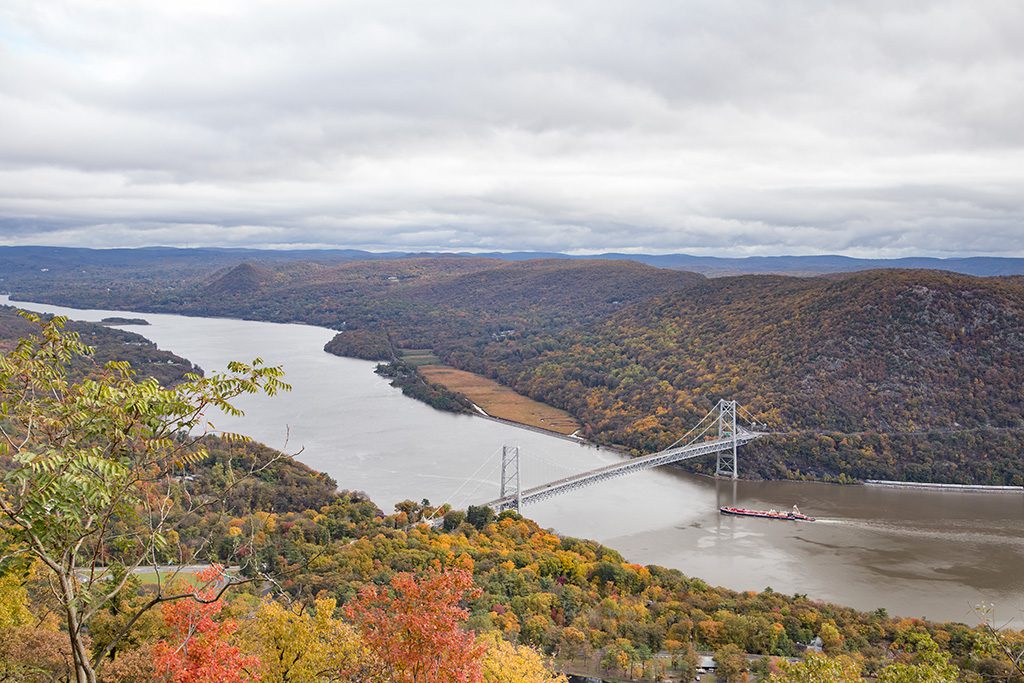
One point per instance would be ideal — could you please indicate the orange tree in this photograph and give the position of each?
(200, 650)
(414, 630)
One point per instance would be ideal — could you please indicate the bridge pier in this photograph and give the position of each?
(510, 474)
(726, 463)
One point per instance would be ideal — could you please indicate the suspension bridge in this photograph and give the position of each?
(721, 432)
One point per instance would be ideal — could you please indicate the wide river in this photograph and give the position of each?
(915, 553)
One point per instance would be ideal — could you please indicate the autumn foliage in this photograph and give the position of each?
(478, 601)
(413, 628)
(200, 651)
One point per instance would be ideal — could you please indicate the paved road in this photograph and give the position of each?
(165, 570)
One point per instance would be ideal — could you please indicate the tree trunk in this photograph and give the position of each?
(84, 672)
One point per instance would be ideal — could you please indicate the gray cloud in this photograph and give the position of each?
(715, 127)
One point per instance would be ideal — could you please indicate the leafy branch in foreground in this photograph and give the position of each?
(94, 481)
(999, 641)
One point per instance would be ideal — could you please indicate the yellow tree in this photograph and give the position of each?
(732, 664)
(14, 608)
(295, 645)
(819, 669)
(573, 643)
(831, 640)
(504, 662)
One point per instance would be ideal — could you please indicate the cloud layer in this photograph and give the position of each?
(717, 127)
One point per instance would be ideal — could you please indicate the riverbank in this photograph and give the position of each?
(963, 488)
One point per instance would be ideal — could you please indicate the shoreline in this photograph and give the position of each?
(935, 486)
(539, 430)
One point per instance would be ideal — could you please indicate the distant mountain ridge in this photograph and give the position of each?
(31, 258)
(982, 266)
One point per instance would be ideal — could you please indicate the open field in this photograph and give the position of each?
(500, 401)
(149, 578)
(186, 574)
(419, 357)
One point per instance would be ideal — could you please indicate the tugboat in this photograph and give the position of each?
(794, 515)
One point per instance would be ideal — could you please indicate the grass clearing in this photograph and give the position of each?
(188, 577)
(498, 400)
(419, 357)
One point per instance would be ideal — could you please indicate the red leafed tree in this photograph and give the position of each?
(200, 651)
(414, 631)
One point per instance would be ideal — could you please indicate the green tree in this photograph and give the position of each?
(95, 471)
(732, 664)
(928, 664)
(819, 669)
(479, 515)
(831, 639)
(1000, 643)
(619, 656)
(453, 519)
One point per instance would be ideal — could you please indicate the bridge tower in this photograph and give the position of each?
(725, 466)
(510, 479)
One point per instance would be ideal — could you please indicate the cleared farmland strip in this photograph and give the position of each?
(501, 401)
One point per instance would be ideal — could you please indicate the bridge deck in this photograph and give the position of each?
(618, 469)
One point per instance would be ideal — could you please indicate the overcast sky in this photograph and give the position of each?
(727, 128)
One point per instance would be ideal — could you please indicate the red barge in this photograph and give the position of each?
(794, 515)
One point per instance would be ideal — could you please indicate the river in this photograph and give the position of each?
(915, 553)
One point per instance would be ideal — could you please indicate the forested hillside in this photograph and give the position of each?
(415, 302)
(881, 374)
(532, 592)
(108, 344)
(575, 600)
(571, 599)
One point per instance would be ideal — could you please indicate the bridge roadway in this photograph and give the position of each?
(665, 457)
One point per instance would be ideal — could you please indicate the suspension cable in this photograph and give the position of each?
(550, 463)
(692, 429)
(481, 482)
(702, 433)
(466, 481)
(747, 413)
